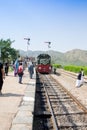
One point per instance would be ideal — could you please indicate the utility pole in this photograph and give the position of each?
(28, 39)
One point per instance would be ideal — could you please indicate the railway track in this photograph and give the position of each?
(61, 110)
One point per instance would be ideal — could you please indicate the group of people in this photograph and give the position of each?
(19, 69)
(80, 78)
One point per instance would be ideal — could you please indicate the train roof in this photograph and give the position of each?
(43, 55)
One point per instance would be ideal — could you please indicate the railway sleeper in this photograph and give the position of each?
(77, 113)
(73, 127)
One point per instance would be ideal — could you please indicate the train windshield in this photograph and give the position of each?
(44, 59)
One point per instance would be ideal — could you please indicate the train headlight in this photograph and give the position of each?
(49, 68)
(39, 68)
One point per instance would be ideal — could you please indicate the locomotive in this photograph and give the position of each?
(44, 64)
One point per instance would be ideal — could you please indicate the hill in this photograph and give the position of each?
(72, 57)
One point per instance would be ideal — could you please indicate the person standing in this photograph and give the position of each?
(31, 69)
(82, 76)
(20, 72)
(78, 81)
(2, 76)
(15, 66)
(6, 68)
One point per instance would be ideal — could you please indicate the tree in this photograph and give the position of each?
(8, 53)
(14, 54)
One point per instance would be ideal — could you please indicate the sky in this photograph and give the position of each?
(61, 22)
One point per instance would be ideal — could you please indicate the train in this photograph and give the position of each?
(44, 64)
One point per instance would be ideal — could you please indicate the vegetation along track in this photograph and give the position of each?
(56, 109)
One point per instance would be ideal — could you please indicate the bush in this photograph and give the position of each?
(57, 65)
(75, 69)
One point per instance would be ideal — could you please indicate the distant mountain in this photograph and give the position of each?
(77, 57)
(72, 57)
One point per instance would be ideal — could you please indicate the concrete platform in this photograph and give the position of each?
(17, 102)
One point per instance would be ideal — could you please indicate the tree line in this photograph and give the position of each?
(7, 53)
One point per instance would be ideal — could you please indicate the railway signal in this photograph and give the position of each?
(49, 43)
(28, 39)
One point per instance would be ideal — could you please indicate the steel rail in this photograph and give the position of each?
(74, 98)
(50, 90)
(50, 107)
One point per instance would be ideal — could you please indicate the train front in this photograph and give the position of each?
(44, 64)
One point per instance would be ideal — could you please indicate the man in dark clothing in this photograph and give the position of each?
(6, 68)
(2, 75)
